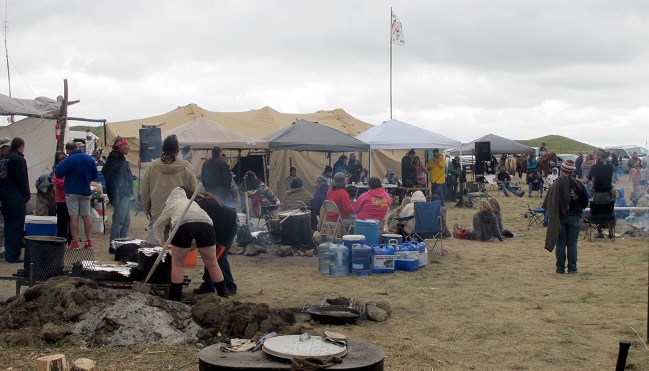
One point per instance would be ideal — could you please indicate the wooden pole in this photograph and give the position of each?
(63, 117)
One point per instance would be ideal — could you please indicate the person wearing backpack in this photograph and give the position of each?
(565, 203)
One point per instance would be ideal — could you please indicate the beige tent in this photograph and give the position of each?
(256, 124)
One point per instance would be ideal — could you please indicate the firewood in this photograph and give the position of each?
(54, 362)
(83, 364)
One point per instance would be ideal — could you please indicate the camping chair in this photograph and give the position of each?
(483, 182)
(327, 228)
(492, 181)
(428, 224)
(601, 216)
(473, 190)
(535, 216)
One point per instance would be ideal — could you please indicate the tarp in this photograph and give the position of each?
(499, 145)
(395, 134)
(42, 107)
(306, 135)
(204, 133)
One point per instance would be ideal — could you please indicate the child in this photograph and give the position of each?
(643, 175)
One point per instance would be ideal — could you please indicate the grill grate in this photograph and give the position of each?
(325, 303)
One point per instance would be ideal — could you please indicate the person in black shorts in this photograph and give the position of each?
(195, 226)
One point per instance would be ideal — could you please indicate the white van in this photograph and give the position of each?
(624, 153)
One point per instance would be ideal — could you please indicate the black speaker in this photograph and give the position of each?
(150, 144)
(483, 151)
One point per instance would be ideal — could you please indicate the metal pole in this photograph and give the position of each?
(390, 41)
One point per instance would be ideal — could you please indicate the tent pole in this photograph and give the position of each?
(105, 139)
(239, 168)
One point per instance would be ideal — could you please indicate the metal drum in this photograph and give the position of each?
(295, 227)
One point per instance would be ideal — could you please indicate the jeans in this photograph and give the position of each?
(508, 186)
(533, 188)
(223, 262)
(568, 238)
(14, 208)
(440, 190)
(121, 218)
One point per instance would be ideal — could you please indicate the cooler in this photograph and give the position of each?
(370, 228)
(40, 225)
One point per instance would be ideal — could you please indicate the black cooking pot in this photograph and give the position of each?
(273, 227)
(334, 315)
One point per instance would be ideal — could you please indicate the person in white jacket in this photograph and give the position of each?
(552, 177)
(196, 225)
(409, 210)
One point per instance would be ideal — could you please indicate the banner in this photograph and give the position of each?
(397, 31)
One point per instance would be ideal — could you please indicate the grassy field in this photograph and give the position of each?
(484, 306)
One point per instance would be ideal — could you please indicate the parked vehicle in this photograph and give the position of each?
(563, 157)
(624, 153)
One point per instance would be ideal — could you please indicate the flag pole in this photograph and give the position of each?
(390, 42)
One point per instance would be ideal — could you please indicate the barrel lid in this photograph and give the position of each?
(353, 237)
(289, 346)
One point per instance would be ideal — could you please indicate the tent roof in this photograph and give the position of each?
(204, 133)
(499, 145)
(39, 107)
(395, 134)
(306, 135)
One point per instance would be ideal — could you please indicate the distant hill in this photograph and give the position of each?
(559, 144)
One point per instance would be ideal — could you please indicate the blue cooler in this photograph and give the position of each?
(385, 238)
(40, 225)
(370, 228)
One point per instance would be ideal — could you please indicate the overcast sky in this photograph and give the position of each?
(515, 68)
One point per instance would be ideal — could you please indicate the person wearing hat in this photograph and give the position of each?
(437, 168)
(14, 195)
(601, 176)
(79, 169)
(5, 147)
(119, 188)
(99, 160)
(338, 195)
(391, 178)
(297, 193)
(453, 177)
(408, 169)
(354, 169)
(565, 203)
(216, 175)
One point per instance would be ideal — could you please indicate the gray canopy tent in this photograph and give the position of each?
(499, 145)
(306, 135)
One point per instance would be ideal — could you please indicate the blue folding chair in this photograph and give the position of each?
(428, 224)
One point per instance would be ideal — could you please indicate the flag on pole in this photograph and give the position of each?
(397, 31)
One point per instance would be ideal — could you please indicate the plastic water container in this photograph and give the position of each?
(370, 228)
(350, 240)
(361, 260)
(323, 256)
(338, 260)
(382, 258)
(386, 238)
(423, 254)
(406, 257)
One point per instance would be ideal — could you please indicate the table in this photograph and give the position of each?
(360, 356)
(355, 190)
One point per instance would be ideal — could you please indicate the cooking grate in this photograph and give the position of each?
(326, 303)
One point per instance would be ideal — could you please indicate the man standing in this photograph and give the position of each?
(119, 187)
(14, 194)
(503, 182)
(601, 174)
(578, 162)
(79, 169)
(408, 170)
(216, 175)
(454, 171)
(437, 168)
(5, 147)
(354, 169)
(292, 174)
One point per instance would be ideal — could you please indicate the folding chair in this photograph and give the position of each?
(601, 216)
(428, 224)
(535, 216)
(327, 228)
(473, 190)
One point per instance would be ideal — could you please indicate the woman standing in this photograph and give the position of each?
(422, 174)
(62, 215)
(195, 226)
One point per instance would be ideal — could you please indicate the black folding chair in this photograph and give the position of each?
(601, 216)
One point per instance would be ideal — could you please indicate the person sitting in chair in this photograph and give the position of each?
(262, 199)
(374, 203)
(504, 180)
(409, 210)
(391, 178)
(552, 177)
(535, 182)
(297, 193)
(338, 195)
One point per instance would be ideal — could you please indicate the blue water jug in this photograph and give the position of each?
(382, 258)
(361, 260)
(338, 260)
(323, 255)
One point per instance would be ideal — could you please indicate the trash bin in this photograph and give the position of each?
(46, 254)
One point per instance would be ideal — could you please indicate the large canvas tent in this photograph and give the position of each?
(499, 145)
(205, 134)
(254, 123)
(306, 135)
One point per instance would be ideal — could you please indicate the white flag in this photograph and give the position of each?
(397, 31)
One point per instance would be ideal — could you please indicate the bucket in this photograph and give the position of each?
(295, 227)
(46, 254)
(382, 258)
(350, 240)
(361, 260)
(385, 238)
(191, 259)
(370, 228)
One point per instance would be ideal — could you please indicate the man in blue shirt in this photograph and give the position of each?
(79, 169)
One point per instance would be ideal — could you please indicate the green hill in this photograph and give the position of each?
(559, 144)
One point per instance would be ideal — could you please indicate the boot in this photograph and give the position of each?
(175, 291)
(220, 289)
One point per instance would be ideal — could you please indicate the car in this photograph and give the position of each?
(625, 152)
(563, 157)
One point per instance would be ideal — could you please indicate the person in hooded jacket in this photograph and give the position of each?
(552, 177)
(195, 226)
(161, 177)
(409, 210)
(374, 203)
(119, 187)
(485, 224)
(391, 178)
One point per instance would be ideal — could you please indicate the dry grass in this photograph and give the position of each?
(485, 306)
